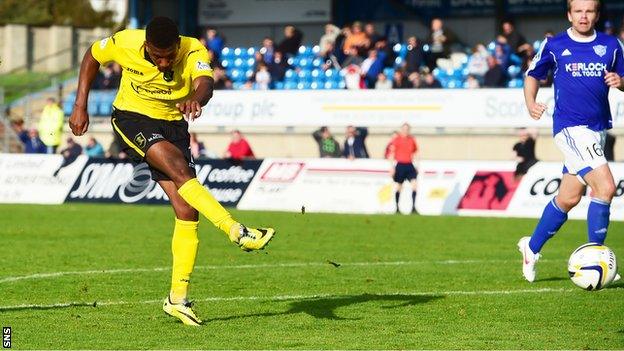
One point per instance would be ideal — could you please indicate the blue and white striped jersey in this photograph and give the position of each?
(579, 65)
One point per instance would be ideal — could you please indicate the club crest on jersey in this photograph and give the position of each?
(600, 50)
(140, 140)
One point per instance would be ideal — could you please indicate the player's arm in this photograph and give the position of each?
(614, 78)
(79, 120)
(203, 87)
(538, 69)
(536, 109)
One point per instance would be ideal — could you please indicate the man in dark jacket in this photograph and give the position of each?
(354, 146)
(289, 46)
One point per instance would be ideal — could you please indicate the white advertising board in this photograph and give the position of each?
(237, 12)
(466, 188)
(420, 107)
(37, 179)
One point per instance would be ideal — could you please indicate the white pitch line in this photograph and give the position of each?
(299, 297)
(244, 266)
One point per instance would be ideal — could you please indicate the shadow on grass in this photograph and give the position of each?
(324, 308)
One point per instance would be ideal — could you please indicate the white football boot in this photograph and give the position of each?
(529, 259)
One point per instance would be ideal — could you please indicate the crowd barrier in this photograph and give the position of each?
(465, 188)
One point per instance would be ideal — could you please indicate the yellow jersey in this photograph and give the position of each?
(143, 88)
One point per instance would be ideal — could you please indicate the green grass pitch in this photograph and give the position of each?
(93, 277)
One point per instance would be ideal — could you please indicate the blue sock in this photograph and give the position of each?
(552, 219)
(597, 220)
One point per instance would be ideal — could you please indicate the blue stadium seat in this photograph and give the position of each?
(398, 61)
(239, 63)
(536, 45)
(227, 53)
(389, 72)
(290, 85)
(237, 85)
(317, 62)
(291, 75)
(317, 74)
(93, 108)
(251, 52)
(514, 71)
(250, 62)
(316, 85)
(227, 62)
(400, 50)
(305, 51)
(426, 48)
(305, 75)
(515, 83)
(330, 73)
(240, 53)
(68, 106)
(237, 75)
(105, 108)
(278, 85)
(316, 50)
(304, 85)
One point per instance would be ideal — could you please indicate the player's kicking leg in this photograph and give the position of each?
(167, 158)
(553, 217)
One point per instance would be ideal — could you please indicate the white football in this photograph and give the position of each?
(592, 266)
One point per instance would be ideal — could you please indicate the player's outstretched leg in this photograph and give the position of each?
(246, 238)
(552, 219)
(601, 181)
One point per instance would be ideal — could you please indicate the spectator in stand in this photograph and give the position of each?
(384, 49)
(609, 28)
(115, 152)
(414, 80)
(415, 57)
(94, 149)
(330, 58)
(382, 82)
(108, 78)
(399, 80)
(472, 82)
(403, 149)
(197, 147)
(621, 35)
(356, 39)
(440, 41)
(430, 82)
(495, 77)
(29, 138)
(609, 147)
(525, 151)
(354, 144)
(214, 43)
(502, 52)
(339, 45)
(262, 77)
(238, 149)
(515, 40)
(71, 151)
(221, 80)
(267, 50)
(289, 46)
(50, 125)
(353, 77)
(477, 62)
(371, 33)
(259, 58)
(278, 68)
(328, 146)
(352, 58)
(371, 67)
(331, 33)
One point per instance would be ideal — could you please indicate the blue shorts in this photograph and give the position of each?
(403, 172)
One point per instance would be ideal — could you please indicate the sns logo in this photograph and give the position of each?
(6, 337)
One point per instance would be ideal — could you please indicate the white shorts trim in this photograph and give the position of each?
(582, 149)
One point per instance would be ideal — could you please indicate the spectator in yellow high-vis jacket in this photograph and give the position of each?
(51, 125)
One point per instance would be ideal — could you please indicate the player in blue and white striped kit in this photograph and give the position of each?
(586, 64)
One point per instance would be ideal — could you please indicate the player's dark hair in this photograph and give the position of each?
(162, 32)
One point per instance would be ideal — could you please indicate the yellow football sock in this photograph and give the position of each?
(184, 249)
(200, 199)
